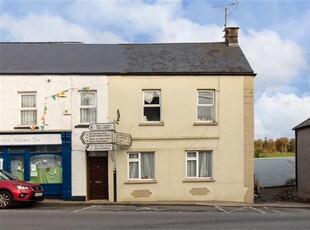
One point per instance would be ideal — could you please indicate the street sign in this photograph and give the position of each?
(97, 137)
(102, 126)
(123, 139)
(100, 147)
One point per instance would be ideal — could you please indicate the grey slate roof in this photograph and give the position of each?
(302, 125)
(156, 58)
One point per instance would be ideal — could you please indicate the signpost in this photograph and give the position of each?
(102, 126)
(102, 137)
(123, 139)
(97, 137)
(100, 147)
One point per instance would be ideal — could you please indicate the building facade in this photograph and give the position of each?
(302, 161)
(188, 108)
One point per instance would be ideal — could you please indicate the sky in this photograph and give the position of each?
(274, 36)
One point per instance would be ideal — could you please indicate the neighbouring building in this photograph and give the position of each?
(188, 108)
(302, 137)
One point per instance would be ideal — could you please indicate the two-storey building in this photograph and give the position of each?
(187, 106)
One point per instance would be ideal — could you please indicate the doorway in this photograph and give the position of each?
(97, 165)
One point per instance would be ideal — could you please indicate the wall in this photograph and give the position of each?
(303, 162)
(180, 132)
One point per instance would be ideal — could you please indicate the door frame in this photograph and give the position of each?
(93, 155)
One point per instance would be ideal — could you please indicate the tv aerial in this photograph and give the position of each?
(226, 6)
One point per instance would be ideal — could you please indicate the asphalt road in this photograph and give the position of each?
(152, 217)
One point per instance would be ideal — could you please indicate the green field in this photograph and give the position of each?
(275, 154)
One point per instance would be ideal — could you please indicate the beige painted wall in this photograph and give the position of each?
(179, 133)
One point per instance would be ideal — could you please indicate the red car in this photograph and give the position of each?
(13, 190)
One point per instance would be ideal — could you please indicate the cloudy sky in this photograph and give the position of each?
(274, 35)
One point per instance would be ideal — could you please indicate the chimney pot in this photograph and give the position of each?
(231, 36)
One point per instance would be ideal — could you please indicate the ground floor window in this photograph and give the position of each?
(141, 165)
(199, 164)
(46, 168)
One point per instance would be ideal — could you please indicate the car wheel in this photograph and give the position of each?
(5, 199)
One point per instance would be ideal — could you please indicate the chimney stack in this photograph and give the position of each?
(231, 36)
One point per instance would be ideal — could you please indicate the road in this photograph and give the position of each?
(152, 217)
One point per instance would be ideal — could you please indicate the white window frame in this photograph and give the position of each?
(196, 159)
(28, 108)
(88, 106)
(138, 160)
(213, 104)
(151, 105)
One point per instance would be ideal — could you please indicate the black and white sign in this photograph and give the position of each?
(102, 126)
(100, 147)
(97, 137)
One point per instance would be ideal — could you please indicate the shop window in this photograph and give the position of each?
(17, 167)
(46, 169)
(45, 148)
(16, 149)
(1, 162)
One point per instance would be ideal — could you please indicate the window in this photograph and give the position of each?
(88, 107)
(46, 169)
(199, 164)
(28, 110)
(151, 105)
(206, 105)
(141, 165)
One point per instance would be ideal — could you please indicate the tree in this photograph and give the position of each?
(258, 147)
(291, 145)
(282, 144)
(271, 145)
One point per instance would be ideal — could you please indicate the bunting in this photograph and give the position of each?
(54, 97)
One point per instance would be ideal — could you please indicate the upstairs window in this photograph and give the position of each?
(88, 107)
(206, 105)
(151, 105)
(28, 110)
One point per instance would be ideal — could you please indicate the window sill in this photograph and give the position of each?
(152, 124)
(26, 127)
(81, 126)
(144, 181)
(205, 123)
(198, 180)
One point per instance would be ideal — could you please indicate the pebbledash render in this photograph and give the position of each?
(179, 115)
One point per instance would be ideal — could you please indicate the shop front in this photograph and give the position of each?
(43, 158)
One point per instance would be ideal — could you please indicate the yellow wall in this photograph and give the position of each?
(180, 132)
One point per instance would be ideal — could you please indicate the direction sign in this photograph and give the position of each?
(123, 139)
(102, 126)
(97, 137)
(100, 147)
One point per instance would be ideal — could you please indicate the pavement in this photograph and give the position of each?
(58, 202)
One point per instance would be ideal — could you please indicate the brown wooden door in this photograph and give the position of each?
(98, 178)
